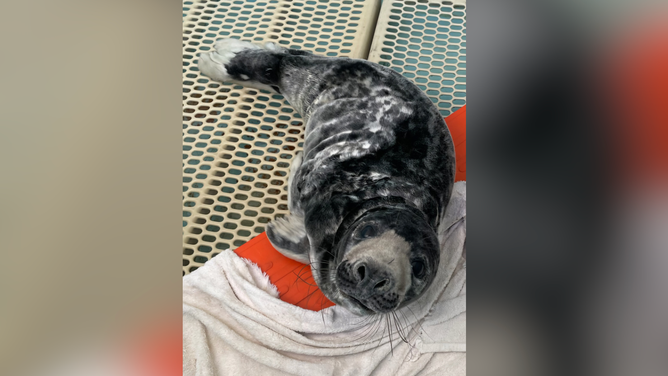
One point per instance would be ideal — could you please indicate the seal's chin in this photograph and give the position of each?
(355, 306)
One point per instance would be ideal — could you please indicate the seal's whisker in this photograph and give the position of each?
(304, 281)
(378, 326)
(406, 328)
(412, 328)
(400, 330)
(368, 329)
(308, 293)
(300, 272)
(382, 335)
(389, 331)
(372, 329)
(322, 315)
(378, 319)
(418, 322)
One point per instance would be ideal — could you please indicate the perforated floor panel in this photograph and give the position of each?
(425, 40)
(238, 142)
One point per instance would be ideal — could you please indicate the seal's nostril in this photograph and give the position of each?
(380, 284)
(361, 272)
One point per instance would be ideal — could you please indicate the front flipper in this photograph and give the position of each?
(288, 236)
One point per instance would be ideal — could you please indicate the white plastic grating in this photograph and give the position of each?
(238, 142)
(425, 40)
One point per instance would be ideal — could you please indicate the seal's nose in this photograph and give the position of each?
(361, 271)
(372, 279)
(370, 283)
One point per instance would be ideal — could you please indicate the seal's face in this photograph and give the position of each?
(385, 259)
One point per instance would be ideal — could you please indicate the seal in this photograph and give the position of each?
(377, 171)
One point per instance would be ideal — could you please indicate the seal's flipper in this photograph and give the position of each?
(288, 236)
(249, 64)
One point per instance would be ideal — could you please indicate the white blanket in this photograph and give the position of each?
(234, 324)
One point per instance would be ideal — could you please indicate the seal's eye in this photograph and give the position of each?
(366, 232)
(418, 268)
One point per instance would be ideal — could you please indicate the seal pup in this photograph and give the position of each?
(376, 173)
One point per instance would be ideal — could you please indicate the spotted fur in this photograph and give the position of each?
(373, 143)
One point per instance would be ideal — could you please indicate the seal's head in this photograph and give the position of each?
(384, 259)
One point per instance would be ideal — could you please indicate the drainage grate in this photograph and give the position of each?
(238, 142)
(425, 40)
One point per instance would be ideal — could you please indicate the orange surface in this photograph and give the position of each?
(294, 280)
(457, 125)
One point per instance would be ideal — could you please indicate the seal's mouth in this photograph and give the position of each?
(358, 302)
(355, 305)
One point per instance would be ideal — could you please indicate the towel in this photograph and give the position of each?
(234, 323)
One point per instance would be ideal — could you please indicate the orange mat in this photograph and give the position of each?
(294, 280)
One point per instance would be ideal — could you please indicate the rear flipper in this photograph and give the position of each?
(288, 236)
(236, 61)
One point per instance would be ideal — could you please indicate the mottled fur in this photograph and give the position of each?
(376, 151)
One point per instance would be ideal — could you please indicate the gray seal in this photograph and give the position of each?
(376, 173)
